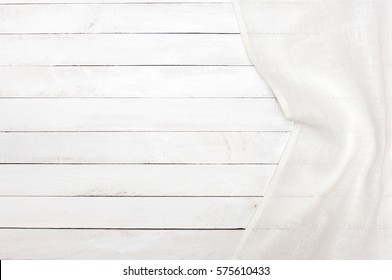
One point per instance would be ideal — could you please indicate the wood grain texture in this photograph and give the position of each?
(132, 81)
(157, 191)
(119, 18)
(141, 115)
(134, 180)
(113, 244)
(122, 49)
(126, 212)
(142, 147)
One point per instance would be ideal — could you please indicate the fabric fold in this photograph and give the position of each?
(329, 65)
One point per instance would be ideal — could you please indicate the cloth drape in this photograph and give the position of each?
(329, 64)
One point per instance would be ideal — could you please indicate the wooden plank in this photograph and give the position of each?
(124, 244)
(134, 180)
(122, 49)
(118, 18)
(142, 147)
(133, 81)
(126, 212)
(184, 114)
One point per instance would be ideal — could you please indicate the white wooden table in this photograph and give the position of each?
(130, 130)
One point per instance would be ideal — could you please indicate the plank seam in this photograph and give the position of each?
(130, 65)
(121, 228)
(120, 33)
(135, 97)
(135, 196)
(118, 3)
(142, 131)
(126, 65)
(139, 163)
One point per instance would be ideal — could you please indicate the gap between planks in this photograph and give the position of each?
(188, 18)
(139, 163)
(110, 2)
(123, 229)
(130, 196)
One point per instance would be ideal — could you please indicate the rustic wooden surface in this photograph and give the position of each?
(130, 130)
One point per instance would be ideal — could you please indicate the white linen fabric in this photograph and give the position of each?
(329, 65)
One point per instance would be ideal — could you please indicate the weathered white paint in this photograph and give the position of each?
(142, 115)
(142, 147)
(126, 212)
(122, 49)
(134, 180)
(188, 82)
(118, 18)
(117, 244)
(133, 81)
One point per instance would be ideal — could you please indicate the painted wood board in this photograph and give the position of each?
(126, 212)
(143, 147)
(134, 180)
(122, 49)
(142, 115)
(137, 82)
(117, 244)
(119, 18)
(133, 81)
(54, 2)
